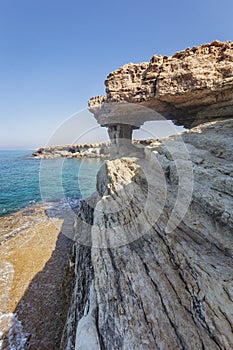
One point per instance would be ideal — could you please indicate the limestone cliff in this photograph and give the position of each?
(152, 256)
(191, 87)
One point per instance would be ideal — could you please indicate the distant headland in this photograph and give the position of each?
(85, 150)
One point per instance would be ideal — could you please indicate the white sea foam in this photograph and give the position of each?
(12, 330)
(6, 279)
(10, 327)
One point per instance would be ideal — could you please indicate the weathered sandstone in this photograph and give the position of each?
(192, 87)
(153, 260)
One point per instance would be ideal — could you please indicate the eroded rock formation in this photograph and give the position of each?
(190, 88)
(153, 259)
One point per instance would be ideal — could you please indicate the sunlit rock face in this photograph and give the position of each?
(152, 257)
(191, 87)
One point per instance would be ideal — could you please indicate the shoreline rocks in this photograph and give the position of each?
(88, 150)
(191, 87)
(153, 258)
(151, 265)
(148, 281)
(79, 151)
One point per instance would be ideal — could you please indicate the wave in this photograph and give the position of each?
(11, 332)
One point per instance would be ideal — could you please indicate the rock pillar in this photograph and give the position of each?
(121, 139)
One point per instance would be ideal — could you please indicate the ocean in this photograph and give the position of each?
(33, 254)
(25, 180)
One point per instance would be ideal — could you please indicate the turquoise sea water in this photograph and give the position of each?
(25, 180)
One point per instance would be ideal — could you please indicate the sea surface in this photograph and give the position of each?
(25, 180)
(35, 200)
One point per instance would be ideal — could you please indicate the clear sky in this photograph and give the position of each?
(56, 54)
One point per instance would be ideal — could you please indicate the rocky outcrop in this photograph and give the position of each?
(190, 88)
(193, 83)
(92, 150)
(88, 150)
(152, 256)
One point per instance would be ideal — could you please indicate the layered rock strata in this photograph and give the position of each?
(191, 87)
(152, 257)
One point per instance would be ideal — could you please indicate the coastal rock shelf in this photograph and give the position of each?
(88, 150)
(153, 260)
(192, 87)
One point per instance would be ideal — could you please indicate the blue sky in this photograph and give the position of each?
(56, 54)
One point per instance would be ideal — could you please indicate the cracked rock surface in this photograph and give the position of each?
(153, 271)
(191, 87)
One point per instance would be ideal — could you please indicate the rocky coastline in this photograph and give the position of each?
(191, 87)
(150, 265)
(86, 150)
(152, 257)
